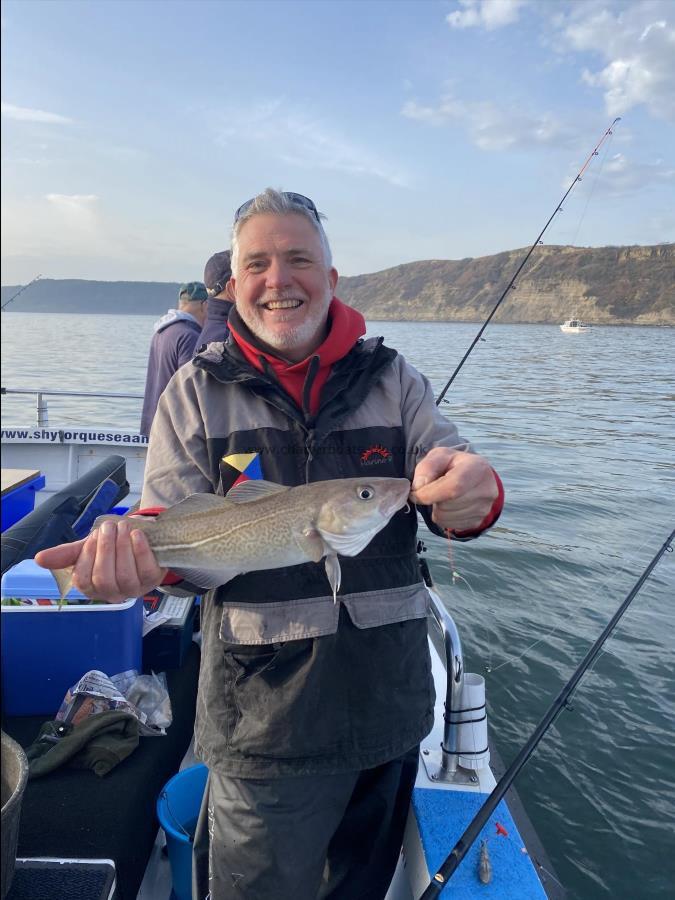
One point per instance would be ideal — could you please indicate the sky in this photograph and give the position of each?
(434, 129)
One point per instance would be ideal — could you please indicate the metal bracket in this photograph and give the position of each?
(433, 763)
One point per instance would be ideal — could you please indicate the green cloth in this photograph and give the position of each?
(99, 743)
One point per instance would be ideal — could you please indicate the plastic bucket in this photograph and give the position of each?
(177, 810)
(14, 777)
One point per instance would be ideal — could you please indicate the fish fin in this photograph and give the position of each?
(255, 489)
(205, 578)
(349, 544)
(334, 574)
(64, 579)
(194, 504)
(311, 543)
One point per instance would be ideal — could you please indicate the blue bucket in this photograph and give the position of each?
(177, 810)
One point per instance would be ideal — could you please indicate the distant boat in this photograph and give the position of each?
(574, 326)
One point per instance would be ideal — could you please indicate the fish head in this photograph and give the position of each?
(353, 510)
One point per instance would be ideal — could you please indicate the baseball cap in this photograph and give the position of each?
(217, 272)
(193, 290)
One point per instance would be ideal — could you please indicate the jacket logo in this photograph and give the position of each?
(373, 456)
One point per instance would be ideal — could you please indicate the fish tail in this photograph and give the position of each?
(64, 579)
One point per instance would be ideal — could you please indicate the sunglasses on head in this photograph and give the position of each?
(297, 199)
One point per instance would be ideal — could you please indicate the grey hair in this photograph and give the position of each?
(277, 203)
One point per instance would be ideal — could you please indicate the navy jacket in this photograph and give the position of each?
(173, 344)
(215, 328)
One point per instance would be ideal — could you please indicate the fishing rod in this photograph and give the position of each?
(538, 241)
(459, 851)
(14, 296)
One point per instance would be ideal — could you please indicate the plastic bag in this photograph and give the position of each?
(150, 695)
(146, 697)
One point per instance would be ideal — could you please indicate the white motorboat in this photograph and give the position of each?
(574, 326)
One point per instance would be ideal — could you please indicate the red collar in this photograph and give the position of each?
(346, 326)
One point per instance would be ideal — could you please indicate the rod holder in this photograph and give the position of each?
(454, 663)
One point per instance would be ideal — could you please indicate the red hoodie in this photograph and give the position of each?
(346, 326)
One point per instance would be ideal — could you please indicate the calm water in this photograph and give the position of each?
(582, 430)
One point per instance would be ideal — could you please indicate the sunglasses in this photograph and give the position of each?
(297, 199)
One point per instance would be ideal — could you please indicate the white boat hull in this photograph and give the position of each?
(63, 455)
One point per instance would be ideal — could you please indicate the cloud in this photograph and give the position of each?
(636, 49)
(72, 201)
(54, 225)
(617, 175)
(300, 140)
(24, 161)
(621, 175)
(489, 14)
(492, 127)
(624, 50)
(23, 114)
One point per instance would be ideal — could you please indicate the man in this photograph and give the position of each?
(172, 345)
(309, 714)
(217, 273)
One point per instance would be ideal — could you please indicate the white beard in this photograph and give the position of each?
(302, 334)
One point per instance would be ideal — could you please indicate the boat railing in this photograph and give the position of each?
(42, 409)
(454, 664)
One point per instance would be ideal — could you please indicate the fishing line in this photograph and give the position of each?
(457, 577)
(513, 659)
(459, 851)
(488, 639)
(489, 668)
(511, 284)
(592, 191)
(602, 587)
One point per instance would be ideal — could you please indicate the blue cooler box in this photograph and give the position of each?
(20, 501)
(47, 649)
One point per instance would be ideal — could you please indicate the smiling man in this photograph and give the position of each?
(310, 713)
(284, 282)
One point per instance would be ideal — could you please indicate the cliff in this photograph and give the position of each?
(603, 285)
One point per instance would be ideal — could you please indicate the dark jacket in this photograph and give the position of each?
(291, 683)
(215, 328)
(173, 344)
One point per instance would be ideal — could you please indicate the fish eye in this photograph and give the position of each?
(365, 493)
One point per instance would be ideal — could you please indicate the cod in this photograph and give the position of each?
(208, 540)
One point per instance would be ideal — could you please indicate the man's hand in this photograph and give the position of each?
(114, 563)
(460, 487)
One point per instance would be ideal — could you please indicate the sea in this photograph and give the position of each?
(581, 428)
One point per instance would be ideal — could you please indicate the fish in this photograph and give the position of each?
(208, 540)
(484, 864)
